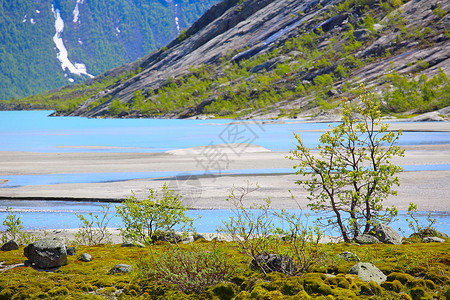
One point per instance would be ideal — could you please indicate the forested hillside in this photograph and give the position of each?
(97, 34)
(271, 59)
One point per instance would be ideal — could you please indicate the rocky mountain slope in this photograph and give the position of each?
(267, 58)
(47, 44)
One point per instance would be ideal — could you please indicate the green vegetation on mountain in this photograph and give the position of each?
(106, 35)
(313, 66)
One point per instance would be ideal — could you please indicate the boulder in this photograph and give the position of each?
(273, 263)
(120, 268)
(47, 253)
(386, 234)
(85, 257)
(71, 251)
(367, 272)
(131, 244)
(432, 239)
(10, 245)
(366, 239)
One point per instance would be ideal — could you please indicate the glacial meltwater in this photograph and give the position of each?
(33, 131)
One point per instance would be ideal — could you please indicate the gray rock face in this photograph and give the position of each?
(71, 251)
(85, 257)
(47, 253)
(432, 239)
(366, 239)
(10, 245)
(273, 263)
(386, 234)
(367, 272)
(120, 268)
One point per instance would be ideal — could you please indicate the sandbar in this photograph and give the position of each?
(429, 189)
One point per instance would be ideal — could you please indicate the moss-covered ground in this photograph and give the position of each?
(414, 271)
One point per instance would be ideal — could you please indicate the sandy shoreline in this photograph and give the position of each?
(429, 189)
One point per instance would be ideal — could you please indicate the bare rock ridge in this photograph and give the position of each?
(250, 28)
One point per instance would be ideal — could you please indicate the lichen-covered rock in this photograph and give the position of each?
(120, 268)
(432, 239)
(10, 245)
(273, 263)
(130, 244)
(348, 256)
(85, 257)
(366, 239)
(386, 234)
(367, 272)
(47, 253)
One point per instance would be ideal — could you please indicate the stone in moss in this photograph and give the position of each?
(225, 291)
(395, 286)
(402, 277)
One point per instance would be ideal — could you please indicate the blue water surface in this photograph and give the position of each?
(61, 215)
(33, 131)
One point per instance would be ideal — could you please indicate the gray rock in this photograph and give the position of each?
(432, 239)
(348, 256)
(386, 234)
(120, 268)
(71, 251)
(86, 257)
(131, 244)
(366, 239)
(47, 253)
(367, 272)
(273, 263)
(10, 245)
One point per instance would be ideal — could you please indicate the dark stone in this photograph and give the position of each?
(386, 234)
(10, 245)
(368, 272)
(47, 253)
(71, 251)
(273, 263)
(120, 268)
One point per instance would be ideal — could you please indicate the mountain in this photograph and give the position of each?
(268, 58)
(48, 44)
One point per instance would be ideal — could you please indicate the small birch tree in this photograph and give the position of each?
(351, 175)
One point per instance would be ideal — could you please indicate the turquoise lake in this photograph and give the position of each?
(33, 131)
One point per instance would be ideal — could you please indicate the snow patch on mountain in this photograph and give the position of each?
(62, 56)
(76, 12)
(177, 24)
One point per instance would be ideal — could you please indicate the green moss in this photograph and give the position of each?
(371, 289)
(402, 277)
(225, 291)
(316, 286)
(6, 294)
(395, 286)
(58, 291)
(419, 293)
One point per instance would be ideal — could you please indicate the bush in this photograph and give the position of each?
(153, 218)
(191, 270)
(13, 229)
(94, 228)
